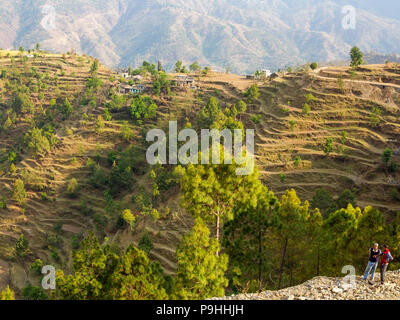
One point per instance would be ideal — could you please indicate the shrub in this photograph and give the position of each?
(37, 266)
(292, 123)
(126, 131)
(374, 118)
(345, 198)
(328, 147)
(33, 293)
(306, 108)
(127, 218)
(145, 243)
(98, 177)
(22, 246)
(395, 194)
(314, 65)
(252, 93)
(37, 142)
(21, 102)
(3, 204)
(297, 161)
(387, 155)
(99, 123)
(85, 209)
(72, 188)
(19, 193)
(66, 108)
(256, 118)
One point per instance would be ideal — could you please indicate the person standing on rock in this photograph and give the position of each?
(386, 258)
(374, 254)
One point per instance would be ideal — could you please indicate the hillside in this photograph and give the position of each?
(250, 35)
(324, 288)
(88, 148)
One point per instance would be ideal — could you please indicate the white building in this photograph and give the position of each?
(266, 72)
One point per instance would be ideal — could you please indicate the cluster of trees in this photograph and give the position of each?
(103, 271)
(122, 166)
(143, 107)
(276, 243)
(256, 241)
(214, 117)
(194, 67)
(40, 141)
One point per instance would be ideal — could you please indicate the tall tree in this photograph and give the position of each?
(339, 231)
(323, 200)
(178, 66)
(290, 229)
(246, 236)
(211, 191)
(159, 66)
(200, 273)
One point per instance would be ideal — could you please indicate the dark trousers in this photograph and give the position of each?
(383, 272)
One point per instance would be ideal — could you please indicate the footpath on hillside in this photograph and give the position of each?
(325, 288)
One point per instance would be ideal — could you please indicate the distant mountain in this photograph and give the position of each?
(243, 35)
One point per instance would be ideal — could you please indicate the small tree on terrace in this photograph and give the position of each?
(252, 93)
(386, 156)
(314, 65)
(356, 57)
(19, 193)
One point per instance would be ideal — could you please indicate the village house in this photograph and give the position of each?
(138, 89)
(125, 75)
(266, 73)
(184, 81)
(135, 89)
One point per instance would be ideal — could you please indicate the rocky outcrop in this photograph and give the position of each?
(324, 288)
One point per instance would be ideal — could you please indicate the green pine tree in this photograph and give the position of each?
(200, 273)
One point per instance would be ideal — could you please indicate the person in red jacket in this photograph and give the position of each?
(386, 258)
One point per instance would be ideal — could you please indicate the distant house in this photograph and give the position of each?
(125, 89)
(250, 77)
(124, 75)
(136, 89)
(184, 81)
(266, 73)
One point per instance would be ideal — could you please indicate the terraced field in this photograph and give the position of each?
(289, 151)
(342, 107)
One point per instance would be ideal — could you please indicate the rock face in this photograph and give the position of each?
(324, 288)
